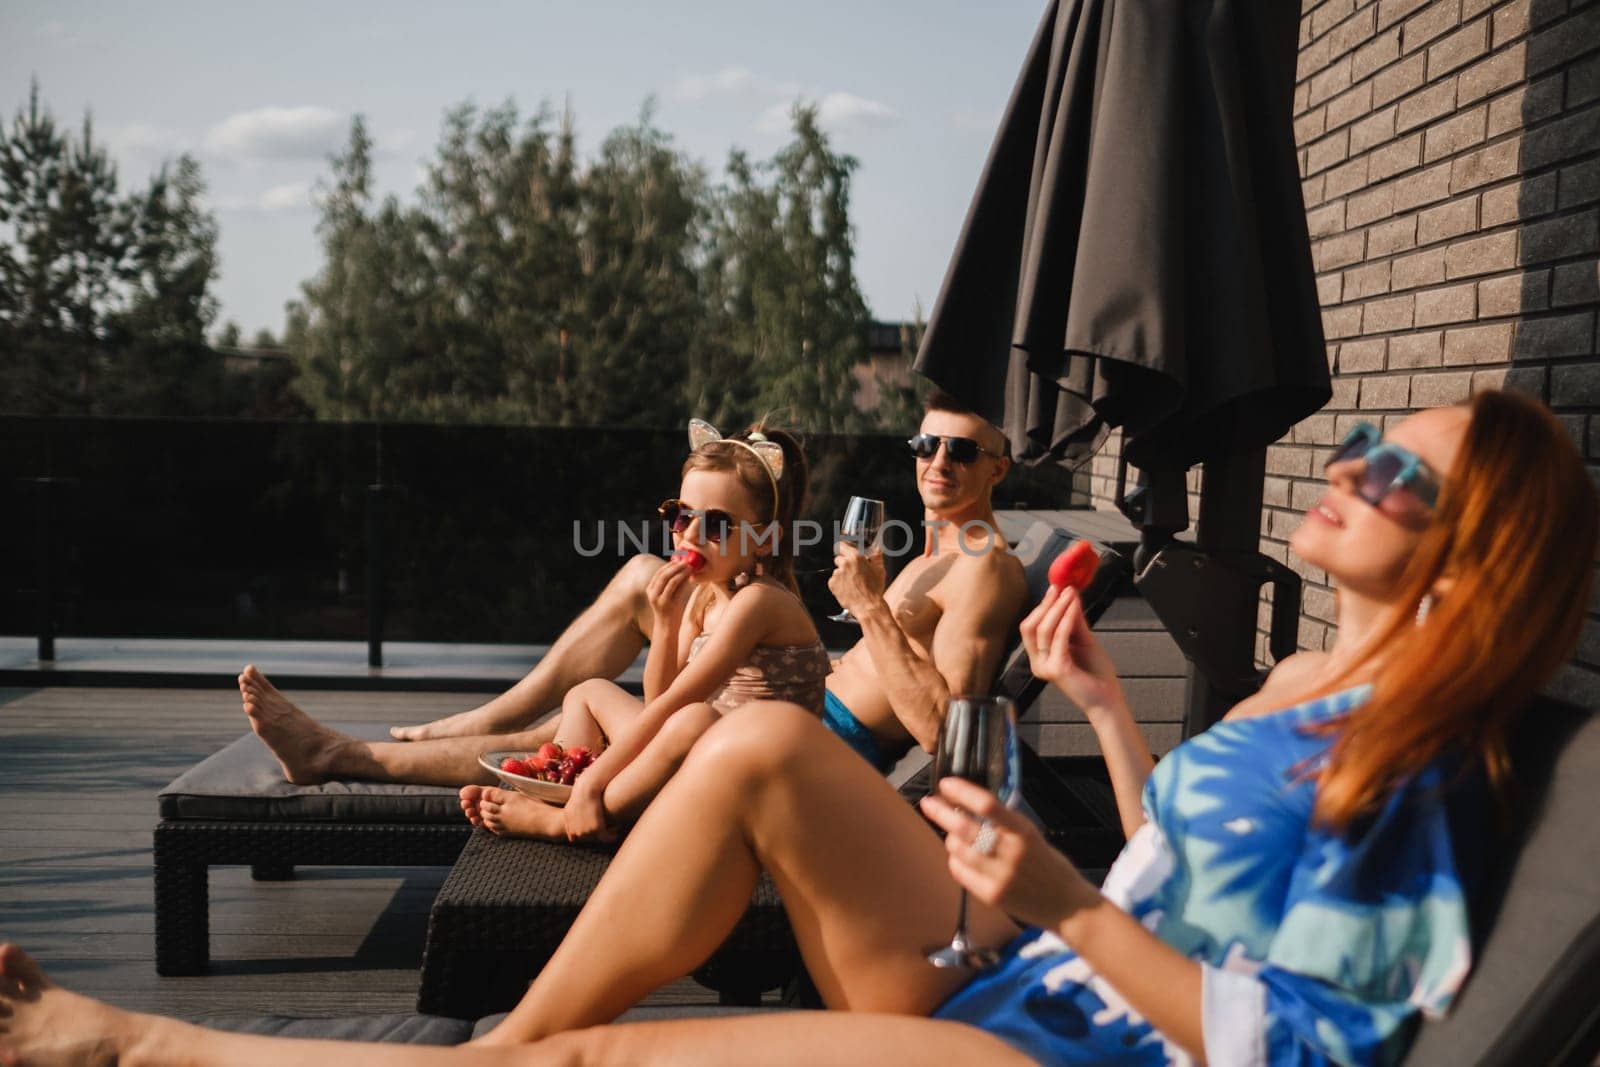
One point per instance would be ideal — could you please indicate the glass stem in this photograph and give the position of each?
(960, 937)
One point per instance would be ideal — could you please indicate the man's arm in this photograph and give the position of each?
(981, 597)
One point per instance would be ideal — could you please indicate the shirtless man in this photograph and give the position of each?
(938, 630)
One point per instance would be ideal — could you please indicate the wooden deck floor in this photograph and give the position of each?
(79, 773)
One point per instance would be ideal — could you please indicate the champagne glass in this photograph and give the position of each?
(978, 742)
(863, 519)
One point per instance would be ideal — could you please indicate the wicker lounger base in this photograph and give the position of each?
(508, 903)
(185, 849)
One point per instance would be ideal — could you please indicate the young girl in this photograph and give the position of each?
(729, 628)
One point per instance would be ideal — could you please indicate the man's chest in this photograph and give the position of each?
(915, 599)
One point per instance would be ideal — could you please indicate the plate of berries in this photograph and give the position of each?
(545, 775)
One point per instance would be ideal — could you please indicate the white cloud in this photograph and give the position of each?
(279, 133)
(292, 196)
(731, 81)
(287, 197)
(836, 111)
(774, 118)
(846, 111)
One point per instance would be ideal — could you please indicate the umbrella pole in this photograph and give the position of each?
(1230, 521)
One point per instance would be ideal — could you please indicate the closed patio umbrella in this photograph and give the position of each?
(1136, 253)
(1136, 256)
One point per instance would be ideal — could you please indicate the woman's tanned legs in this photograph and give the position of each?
(863, 878)
(42, 1023)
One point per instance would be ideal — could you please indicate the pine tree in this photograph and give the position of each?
(781, 273)
(71, 237)
(104, 298)
(333, 327)
(641, 313)
(161, 363)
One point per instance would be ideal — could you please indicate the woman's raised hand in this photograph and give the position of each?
(1011, 866)
(1062, 650)
(668, 591)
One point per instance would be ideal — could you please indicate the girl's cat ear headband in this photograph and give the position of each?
(770, 453)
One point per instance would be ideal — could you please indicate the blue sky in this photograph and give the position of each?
(261, 93)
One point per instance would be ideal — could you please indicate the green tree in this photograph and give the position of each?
(640, 315)
(500, 224)
(526, 287)
(70, 239)
(163, 364)
(782, 278)
(339, 330)
(104, 298)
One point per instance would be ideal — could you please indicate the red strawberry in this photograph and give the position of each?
(550, 752)
(581, 755)
(1075, 567)
(512, 765)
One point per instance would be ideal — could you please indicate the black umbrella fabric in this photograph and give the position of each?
(1136, 253)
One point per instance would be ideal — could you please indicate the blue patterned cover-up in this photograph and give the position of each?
(1315, 948)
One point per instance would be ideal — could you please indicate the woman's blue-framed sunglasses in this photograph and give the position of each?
(1388, 468)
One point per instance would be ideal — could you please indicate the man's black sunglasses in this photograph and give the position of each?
(714, 523)
(959, 449)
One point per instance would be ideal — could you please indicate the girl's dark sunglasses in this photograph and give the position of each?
(1388, 468)
(960, 449)
(714, 524)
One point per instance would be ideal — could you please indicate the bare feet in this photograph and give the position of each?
(472, 723)
(43, 1024)
(471, 797)
(305, 748)
(512, 814)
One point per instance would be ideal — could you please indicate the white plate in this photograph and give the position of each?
(550, 792)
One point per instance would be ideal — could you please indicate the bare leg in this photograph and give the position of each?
(311, 752)
(784, 1039)
(863, 878)
(594, 710)
(638, 783)
(600, 643)
(590, 712)
(507, 812)
(41, 1023)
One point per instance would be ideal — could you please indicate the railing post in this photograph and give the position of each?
(44, 492)
(1229, 521)
(375, 575)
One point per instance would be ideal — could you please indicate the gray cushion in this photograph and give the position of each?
(393, 1029)
(1039, 547)
(1531, 997)
(243, 783)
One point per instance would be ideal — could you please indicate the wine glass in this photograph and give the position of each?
(863, 519)
(978, 742)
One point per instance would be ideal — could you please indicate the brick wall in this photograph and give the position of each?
(1450, 151)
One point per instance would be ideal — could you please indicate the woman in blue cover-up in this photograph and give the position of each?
(1297, 880)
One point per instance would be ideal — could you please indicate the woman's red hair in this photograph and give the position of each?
(1514, 534)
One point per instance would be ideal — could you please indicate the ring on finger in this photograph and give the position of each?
(986, 840)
